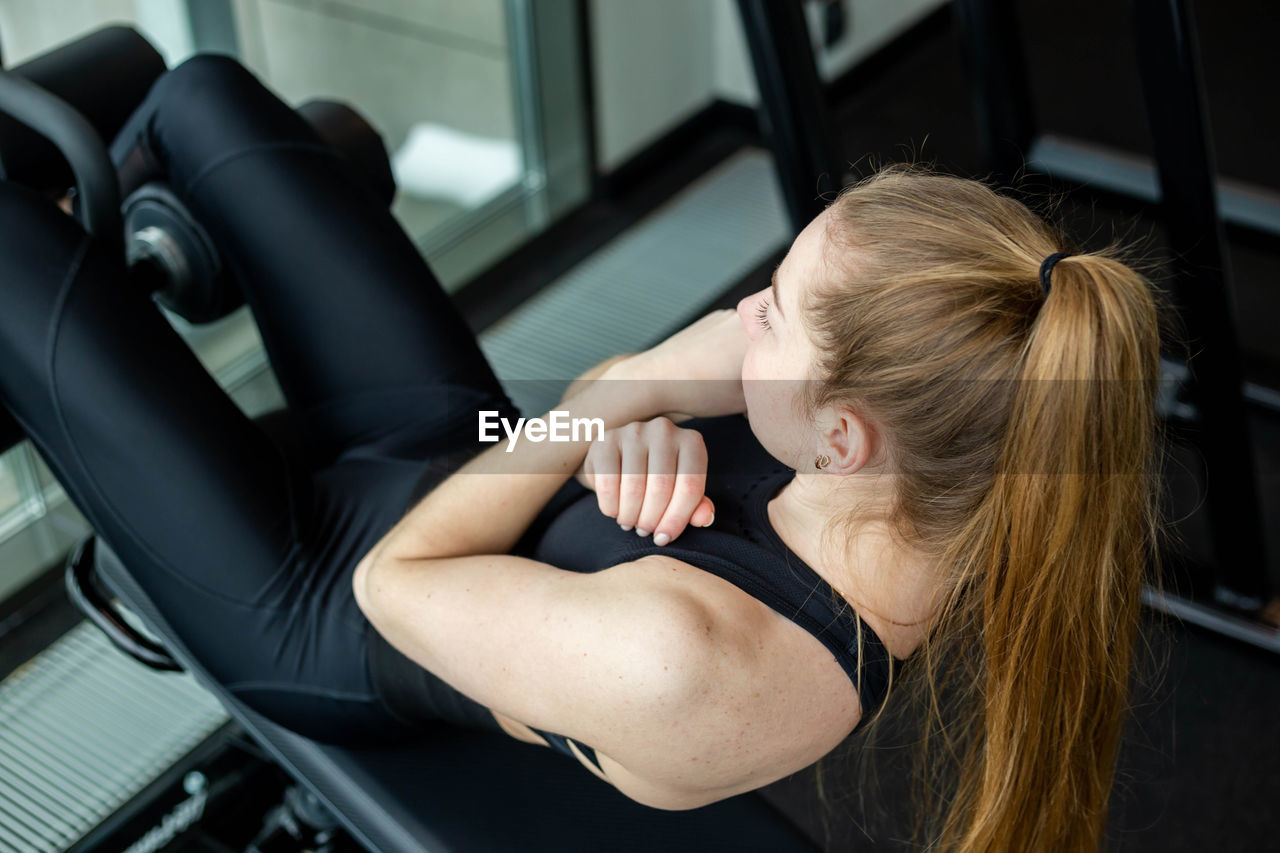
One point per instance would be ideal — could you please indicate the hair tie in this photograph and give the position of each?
(1046, 269)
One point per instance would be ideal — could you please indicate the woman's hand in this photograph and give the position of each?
(650, 476)
(698, 370)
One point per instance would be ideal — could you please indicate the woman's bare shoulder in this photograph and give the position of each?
(762, 697)
(709, 692)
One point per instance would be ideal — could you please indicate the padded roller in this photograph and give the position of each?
(346, 131)
(104, 76)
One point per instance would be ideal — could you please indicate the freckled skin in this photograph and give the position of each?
(758, 697)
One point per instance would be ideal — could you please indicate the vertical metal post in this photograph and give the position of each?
(998, 78)
(213, 26)
(793, 106)
(525, 89)
(549, 87)
(10, 432)
(1169, 61)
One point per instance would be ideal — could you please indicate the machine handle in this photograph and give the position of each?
(104, 75)
(75, 137)
(89, 600)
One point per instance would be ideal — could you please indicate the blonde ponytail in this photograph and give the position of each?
(1023, 433)
(1061, 547)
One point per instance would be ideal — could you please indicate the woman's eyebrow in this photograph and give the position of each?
(773, 283)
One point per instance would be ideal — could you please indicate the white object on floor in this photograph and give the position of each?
(440, 162)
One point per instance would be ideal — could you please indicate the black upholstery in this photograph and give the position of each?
(471, 791)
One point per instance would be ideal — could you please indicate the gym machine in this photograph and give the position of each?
(793, 111)
(1209, 404)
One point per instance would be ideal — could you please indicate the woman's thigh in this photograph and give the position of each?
(248, 556)
(362, 337)
(302, 656)
(148, 446)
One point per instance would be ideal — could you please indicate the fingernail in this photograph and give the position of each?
(625, 526)
(712, 521)
(661, 539)
(640, 532)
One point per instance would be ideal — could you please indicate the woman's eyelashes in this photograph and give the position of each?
(762, 314)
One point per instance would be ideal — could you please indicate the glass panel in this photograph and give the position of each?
(22, 508)
(434, 77)
(30, 27)
(45, 478)
(20, 497)
(10, 496)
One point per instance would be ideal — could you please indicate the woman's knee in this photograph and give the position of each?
(202, 79)
(208, 109)
(202, 97)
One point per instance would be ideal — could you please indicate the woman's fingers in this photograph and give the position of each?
(704, 514)
(660, 483)
(688, 489)
(631, 486)
(604, 467)
(651, 477)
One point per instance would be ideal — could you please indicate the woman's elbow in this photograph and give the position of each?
(364, 588)
(669, 798)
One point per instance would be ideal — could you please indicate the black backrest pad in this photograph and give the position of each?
(461, 790)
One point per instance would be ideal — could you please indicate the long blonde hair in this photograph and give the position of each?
(1022, 431)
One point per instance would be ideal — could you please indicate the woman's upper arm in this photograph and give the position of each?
(688, 690)
(578, 654)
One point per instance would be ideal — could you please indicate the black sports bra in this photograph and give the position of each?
(741, 546)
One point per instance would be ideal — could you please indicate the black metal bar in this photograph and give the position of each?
(1227, 624)
(213, 26)
(66, 128)
(1245, 206)
(793, 107)
(997, 65)
(1169, 63)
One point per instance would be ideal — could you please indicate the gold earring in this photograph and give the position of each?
(822, 461)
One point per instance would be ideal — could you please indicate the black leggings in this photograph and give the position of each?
(246, 550)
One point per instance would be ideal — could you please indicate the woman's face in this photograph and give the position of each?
(780, 355)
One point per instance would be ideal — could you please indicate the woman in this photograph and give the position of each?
(945, 456)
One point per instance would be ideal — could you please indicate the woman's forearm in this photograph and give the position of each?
(578, 385)
(489, 503)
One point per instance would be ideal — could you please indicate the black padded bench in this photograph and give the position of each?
(462, 790)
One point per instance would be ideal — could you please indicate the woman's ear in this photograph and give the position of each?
(849, 440)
